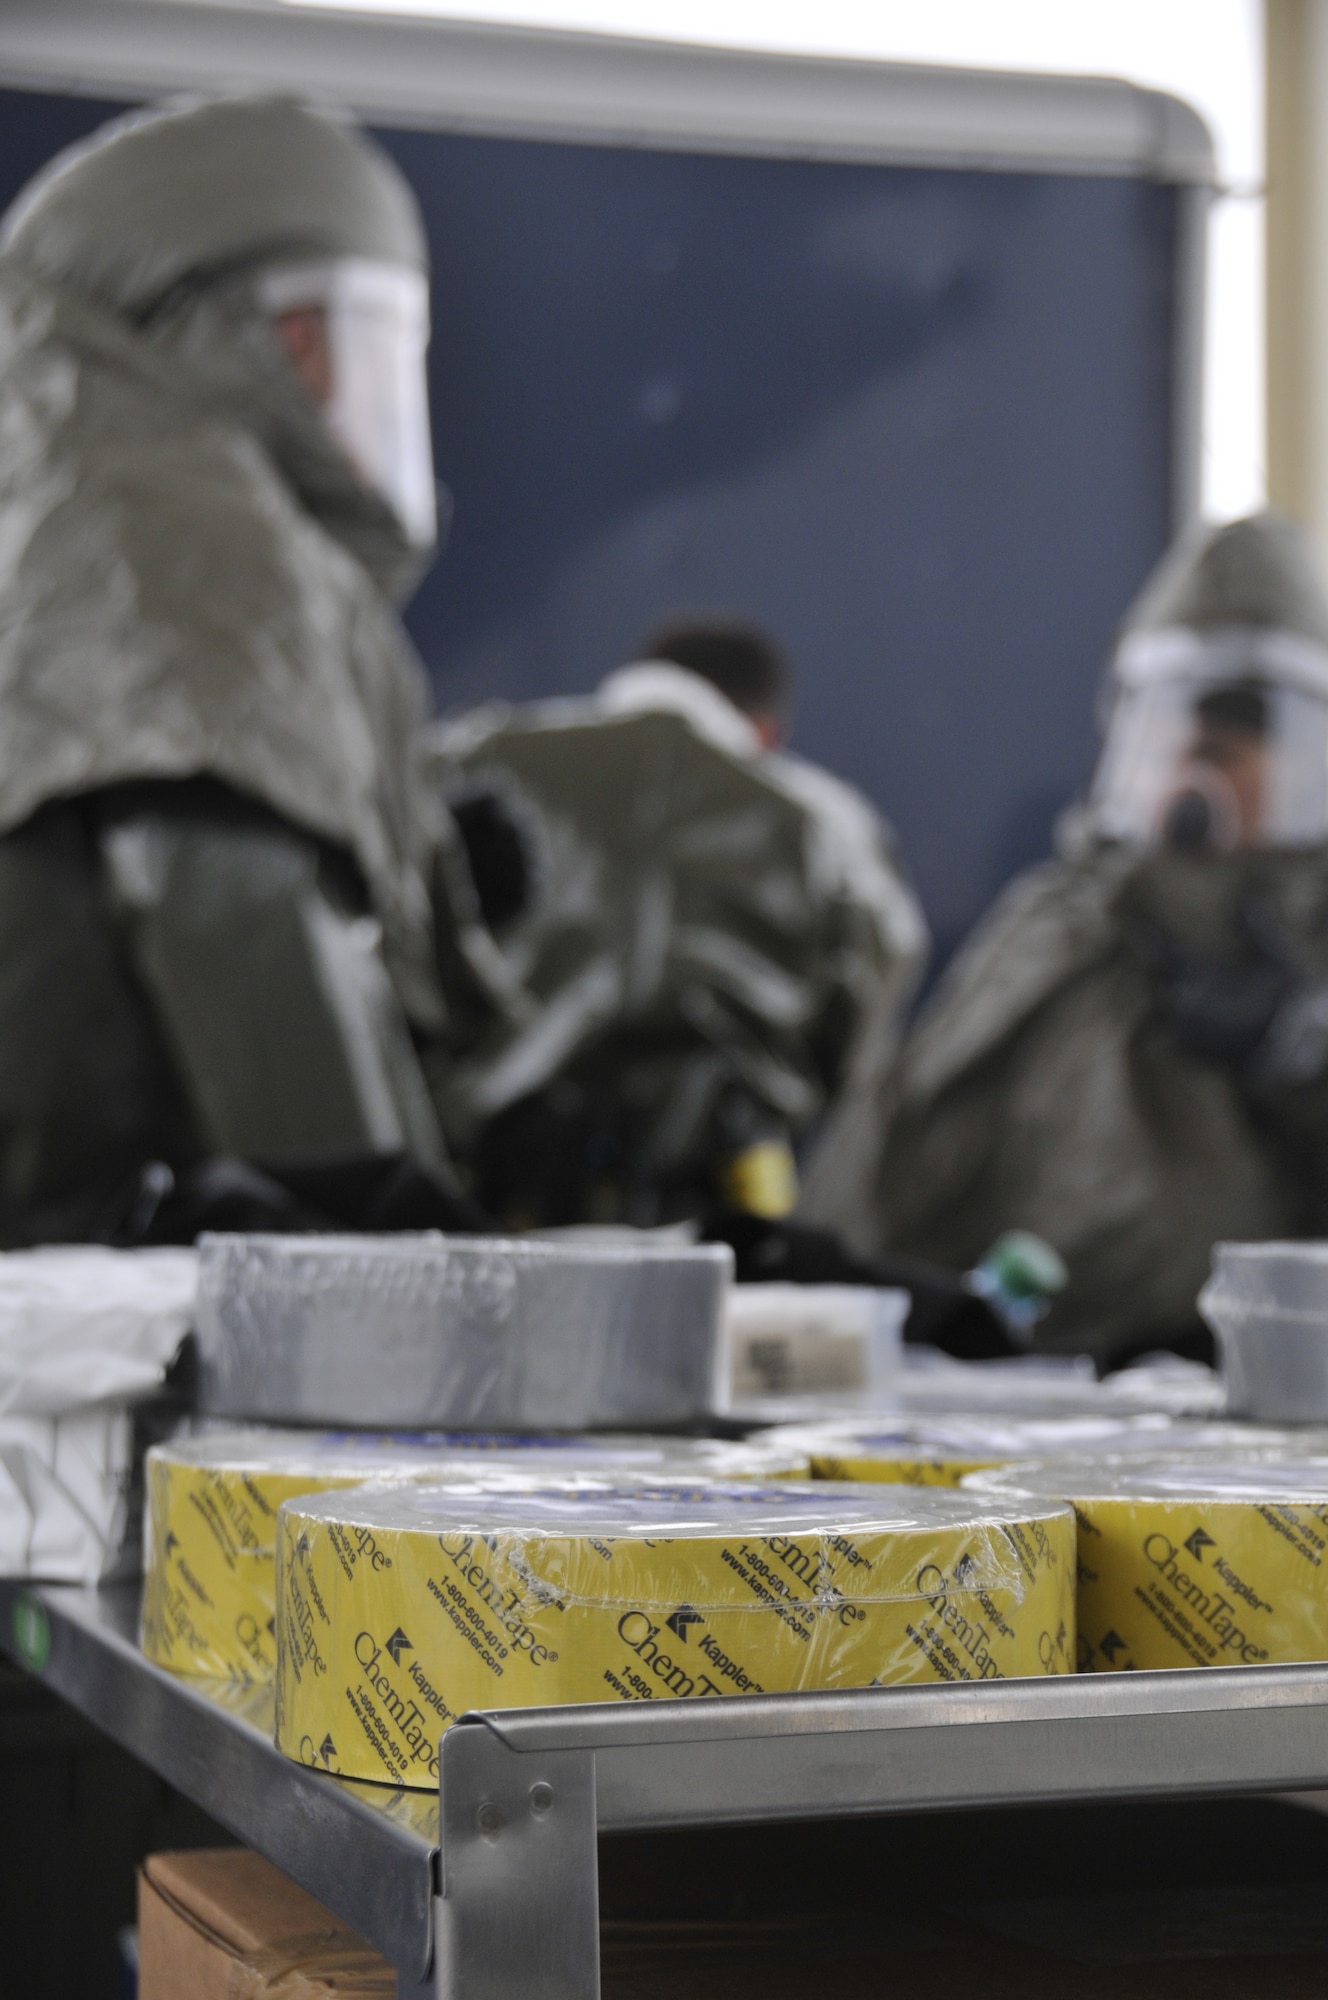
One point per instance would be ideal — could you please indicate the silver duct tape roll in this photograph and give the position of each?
(485, 1332)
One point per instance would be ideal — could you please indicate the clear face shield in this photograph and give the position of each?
(356, 333)
(1216, 742)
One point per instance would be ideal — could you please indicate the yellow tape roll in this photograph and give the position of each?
(399, 1609)
(209, 1593)
(1198, 1564)
(942, 1451)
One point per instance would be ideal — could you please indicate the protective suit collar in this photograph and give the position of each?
(659, 687)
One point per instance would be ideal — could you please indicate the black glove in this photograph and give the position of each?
(375, 1194)
(1221, 1009)
(1262, 1015)
(944, 1312)
(498, 849)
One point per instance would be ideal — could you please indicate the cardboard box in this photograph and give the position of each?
(223, 1924)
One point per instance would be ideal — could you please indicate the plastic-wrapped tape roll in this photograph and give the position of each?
(1199, 1563)
(399, 1608)
(942, 1451)
(212, 1499)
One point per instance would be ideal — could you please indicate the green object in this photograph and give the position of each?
(32, 1633)
(1019, 1277)
(713, 953)
(1026, 1270)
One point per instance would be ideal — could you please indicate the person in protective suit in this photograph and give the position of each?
(216, 845)
(702, 943)
(1130, 1057)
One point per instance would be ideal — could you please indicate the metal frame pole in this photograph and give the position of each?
(519, 1911)
(410, 1988)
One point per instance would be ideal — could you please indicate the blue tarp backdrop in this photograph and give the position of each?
(918, 421)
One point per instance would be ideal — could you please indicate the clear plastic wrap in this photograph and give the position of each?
(1267, 1303)
(813, 1340)
(940, 1450)
(928, 1383)
(400, 1608)
(209, 1551)
(478, 1331)
(1212, 1561)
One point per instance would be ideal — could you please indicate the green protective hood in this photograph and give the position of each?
(165, 218)
(1043, 1089)
(1257, 572)
(168, 606)
(729, 903)
(177, 194)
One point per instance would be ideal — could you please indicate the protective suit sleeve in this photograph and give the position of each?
(269, 987)
(871, 954)
(938, 1107)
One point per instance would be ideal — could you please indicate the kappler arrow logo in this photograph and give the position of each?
(397, 1645)
(679, 1620)
(302, 1546)
(1111, 1645)
(327, 1750)
(1198, 1542)
(172, 1540)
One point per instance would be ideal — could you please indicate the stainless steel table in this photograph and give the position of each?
(513, 1909)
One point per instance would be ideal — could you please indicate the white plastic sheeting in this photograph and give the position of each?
(84, 1334)
(81, 1325)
